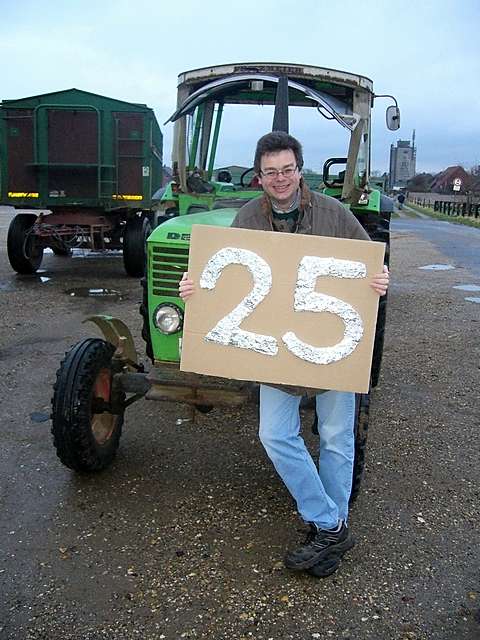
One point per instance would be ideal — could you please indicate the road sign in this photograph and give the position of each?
(457, 183)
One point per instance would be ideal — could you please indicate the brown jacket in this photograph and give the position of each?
(320, 215)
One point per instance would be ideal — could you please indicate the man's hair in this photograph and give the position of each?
(277, 141)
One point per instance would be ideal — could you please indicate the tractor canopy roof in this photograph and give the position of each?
(332, 92)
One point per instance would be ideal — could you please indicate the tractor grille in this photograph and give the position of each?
(168, 265)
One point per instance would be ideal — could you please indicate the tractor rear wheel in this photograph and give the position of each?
(360, 428)
(25, 252)
(377, 225)
(135, 234)
(146, 319)
(379, 340)
(86, 417)
(362, 410)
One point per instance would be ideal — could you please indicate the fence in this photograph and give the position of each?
(449, 205)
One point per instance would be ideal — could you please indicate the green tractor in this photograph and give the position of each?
(99, 378)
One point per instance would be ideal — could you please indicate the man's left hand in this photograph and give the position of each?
(380, 281)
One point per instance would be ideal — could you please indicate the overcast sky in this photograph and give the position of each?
(426, 53)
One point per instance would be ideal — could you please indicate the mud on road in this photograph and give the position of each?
(183, 537)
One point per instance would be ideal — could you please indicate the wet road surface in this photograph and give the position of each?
(183, 537)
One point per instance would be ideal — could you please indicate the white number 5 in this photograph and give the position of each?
(307, 299)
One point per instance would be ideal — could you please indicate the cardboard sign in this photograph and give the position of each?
(289, 335)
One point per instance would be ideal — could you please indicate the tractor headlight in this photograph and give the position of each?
(168, 318)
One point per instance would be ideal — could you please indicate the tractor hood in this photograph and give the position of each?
(180, 227)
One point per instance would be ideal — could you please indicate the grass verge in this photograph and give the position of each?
(469, 222)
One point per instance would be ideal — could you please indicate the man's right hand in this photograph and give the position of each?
(186, 287)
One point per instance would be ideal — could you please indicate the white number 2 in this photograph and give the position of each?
(227, 330)
(307, 299)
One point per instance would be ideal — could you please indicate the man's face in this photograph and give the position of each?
(278, 186)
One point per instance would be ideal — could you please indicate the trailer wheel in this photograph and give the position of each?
(86, 431)
(362, 404)
(135, 234)
(24, 250)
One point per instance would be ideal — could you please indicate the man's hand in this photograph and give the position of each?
(380, 281)
(186, 287)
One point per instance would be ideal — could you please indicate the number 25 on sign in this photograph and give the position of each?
(227, 330)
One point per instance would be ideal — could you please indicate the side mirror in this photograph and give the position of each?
(393, 118)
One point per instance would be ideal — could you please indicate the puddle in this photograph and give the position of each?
(90, 292)
(467, 287)
(38, 416)
(86, 253)
(180, 421)
(6, 286)
(437, 267)
(473, 299)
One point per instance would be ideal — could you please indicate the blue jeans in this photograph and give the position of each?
(321, 495)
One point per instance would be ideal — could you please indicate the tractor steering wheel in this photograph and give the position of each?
(242, 181)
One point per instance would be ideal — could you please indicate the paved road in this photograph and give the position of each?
(459, 243)
(183, 536)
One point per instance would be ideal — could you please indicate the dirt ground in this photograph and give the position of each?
(183, 536)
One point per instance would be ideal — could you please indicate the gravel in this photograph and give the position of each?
(183, 537)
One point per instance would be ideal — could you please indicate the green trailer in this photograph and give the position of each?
(89, 165)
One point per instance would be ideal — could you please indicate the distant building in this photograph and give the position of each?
(402, 163)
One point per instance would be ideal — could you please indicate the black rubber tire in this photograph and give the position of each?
(24, 253)
(362, 411)
(378, 342)
(73, 417)
(146, 319)
(378, 228)
(135, 234)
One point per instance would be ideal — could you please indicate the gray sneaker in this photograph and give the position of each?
(320, 544)
(325, 567)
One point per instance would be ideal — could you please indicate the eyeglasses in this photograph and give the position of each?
(270, 174)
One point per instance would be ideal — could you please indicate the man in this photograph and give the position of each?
(322, 495)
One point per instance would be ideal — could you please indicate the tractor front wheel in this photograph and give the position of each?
(25, 252)
(87, 416)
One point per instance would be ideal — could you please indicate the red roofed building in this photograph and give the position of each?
(443, 182)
